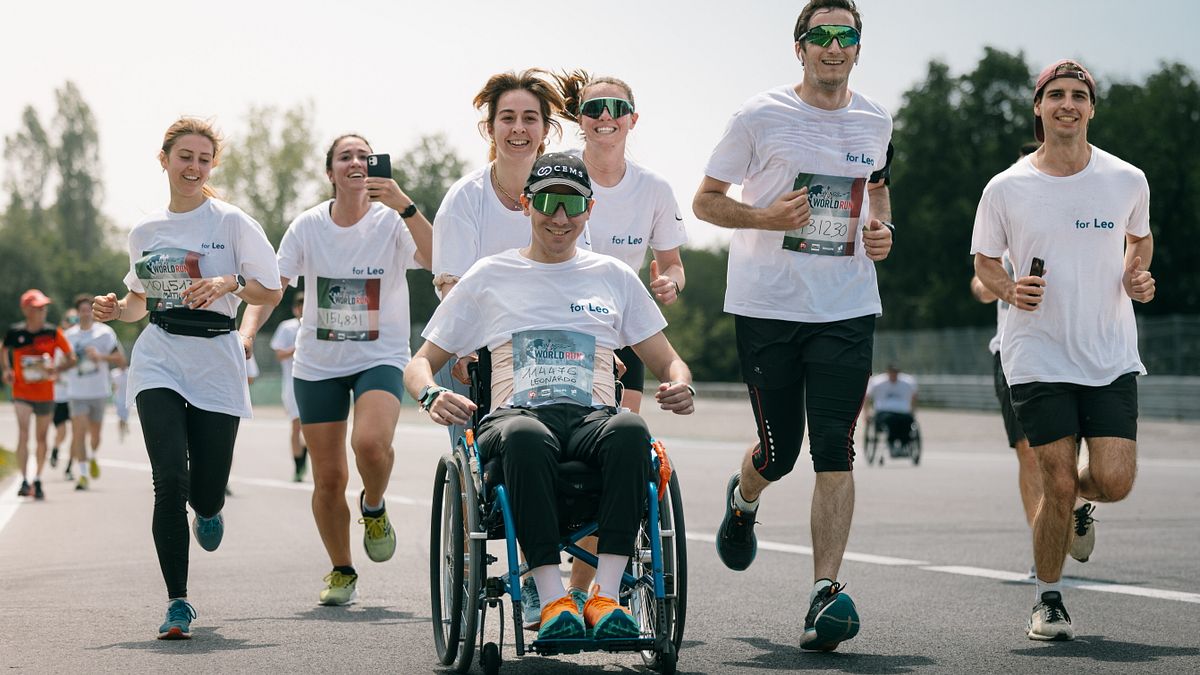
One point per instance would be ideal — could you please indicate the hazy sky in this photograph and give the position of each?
(394, 70)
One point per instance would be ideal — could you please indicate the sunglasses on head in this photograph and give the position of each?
(548, 203)
(595, 107)
(823, 36)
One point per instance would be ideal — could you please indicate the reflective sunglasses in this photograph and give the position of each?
(595, 107)
(823, 36)
(548, 203)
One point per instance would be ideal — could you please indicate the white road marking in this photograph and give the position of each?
(9, 502)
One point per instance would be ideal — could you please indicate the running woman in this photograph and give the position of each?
(96, 349)
(1069, 351)
(284, 344)
(812, 223)
(352, 251)
(191, 265)
(29, 367)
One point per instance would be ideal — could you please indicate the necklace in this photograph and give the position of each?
(619, 172)
(496, 182)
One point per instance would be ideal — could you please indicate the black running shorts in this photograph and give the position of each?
(1049, 411)
(1012, 425)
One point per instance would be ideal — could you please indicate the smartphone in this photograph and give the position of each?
(1037, 268)
(379, 166)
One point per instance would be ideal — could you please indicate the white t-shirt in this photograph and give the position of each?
(89, 378)
(472, 223)
(356, 301)
(775, 143)
(285, 338)
(1001, 308)
(889, 396)
(1084, 331)
(637, 212)
(168, 252)
(592, 302)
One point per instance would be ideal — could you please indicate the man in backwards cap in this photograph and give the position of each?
(552, 315)
(1070, 351)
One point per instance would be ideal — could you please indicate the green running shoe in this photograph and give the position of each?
(378, 536)
(342, 589)
(178, 625)
(208, 531)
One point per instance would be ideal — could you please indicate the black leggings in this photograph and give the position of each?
(191, 451)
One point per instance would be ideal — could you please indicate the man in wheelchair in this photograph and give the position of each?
(551, 316)
(893, 396)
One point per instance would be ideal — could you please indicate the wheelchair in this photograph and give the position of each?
(896, 449)
(471, 507)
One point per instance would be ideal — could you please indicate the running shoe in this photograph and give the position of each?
(342, 589)
(94, 468)
(561, 621)
(1050, 620)
(68, 474)
(531, 605)
(736, 543)
(82, 484)
(53, 457)
(24, 490)
(37, 490)
(580, 596)
(831, 620)
(178, 625)
(1085, 533)
(607, 618)
(378, 536)
(208, 531)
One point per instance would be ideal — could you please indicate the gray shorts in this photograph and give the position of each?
(92, 407)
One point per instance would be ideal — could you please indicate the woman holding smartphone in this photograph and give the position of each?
(191, 265)
(352, 348)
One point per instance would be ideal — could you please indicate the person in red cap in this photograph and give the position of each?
(1078, 219)
(29, 368)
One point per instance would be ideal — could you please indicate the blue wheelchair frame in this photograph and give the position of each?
(455, 643)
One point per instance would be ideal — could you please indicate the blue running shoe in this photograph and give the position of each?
(832, 619)
(531, 605)
(208, 531)
(178, 625)
(736, 543)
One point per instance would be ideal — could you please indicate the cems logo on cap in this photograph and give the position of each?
(547, 170)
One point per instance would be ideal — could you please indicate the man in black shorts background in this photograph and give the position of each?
(1070, 352)
(811, 223)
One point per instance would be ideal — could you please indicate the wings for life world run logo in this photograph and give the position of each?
(553, 365)
(835, 203)
(347, 309)
(165, 273)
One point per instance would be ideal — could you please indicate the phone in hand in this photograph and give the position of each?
(1037, 268)
(379, 166)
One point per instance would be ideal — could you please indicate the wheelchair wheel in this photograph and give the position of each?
(643, 603)
(871, 442)
(455, 565)
(914, 445)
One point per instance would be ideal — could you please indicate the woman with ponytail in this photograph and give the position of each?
(191, 265)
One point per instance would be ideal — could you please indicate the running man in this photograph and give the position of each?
(284, 344)
(1070, 353)
(813, 220)
(29, 368)
(96, 349)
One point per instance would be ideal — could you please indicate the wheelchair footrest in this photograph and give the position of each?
(549, 647)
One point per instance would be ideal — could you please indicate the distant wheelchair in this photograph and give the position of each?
(900, 445)
(471, 507)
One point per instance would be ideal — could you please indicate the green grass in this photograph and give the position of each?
(8, 462)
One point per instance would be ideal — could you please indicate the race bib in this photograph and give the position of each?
(836, 203)
(347, 309)
(553, 366)
(35, 367)
(165, 273)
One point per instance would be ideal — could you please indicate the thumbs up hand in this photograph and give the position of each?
(1139, 283)
(662, 286)
(877, 240)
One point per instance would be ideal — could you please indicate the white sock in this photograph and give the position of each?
(184, 598)
(823, 583)
(1044, 586)
(608, 574)
(83, 467)
(549, 584)
(364, 506)
(742, 503)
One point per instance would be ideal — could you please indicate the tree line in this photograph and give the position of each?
(953, 132)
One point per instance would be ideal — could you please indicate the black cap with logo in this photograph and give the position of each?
(559, 168)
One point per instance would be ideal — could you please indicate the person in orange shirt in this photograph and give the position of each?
(27, 360)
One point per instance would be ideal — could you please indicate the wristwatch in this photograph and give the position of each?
(241, 284)
(888, 224)
(428, 395)
(409, 212)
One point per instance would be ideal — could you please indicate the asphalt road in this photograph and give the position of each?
(936, 566)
